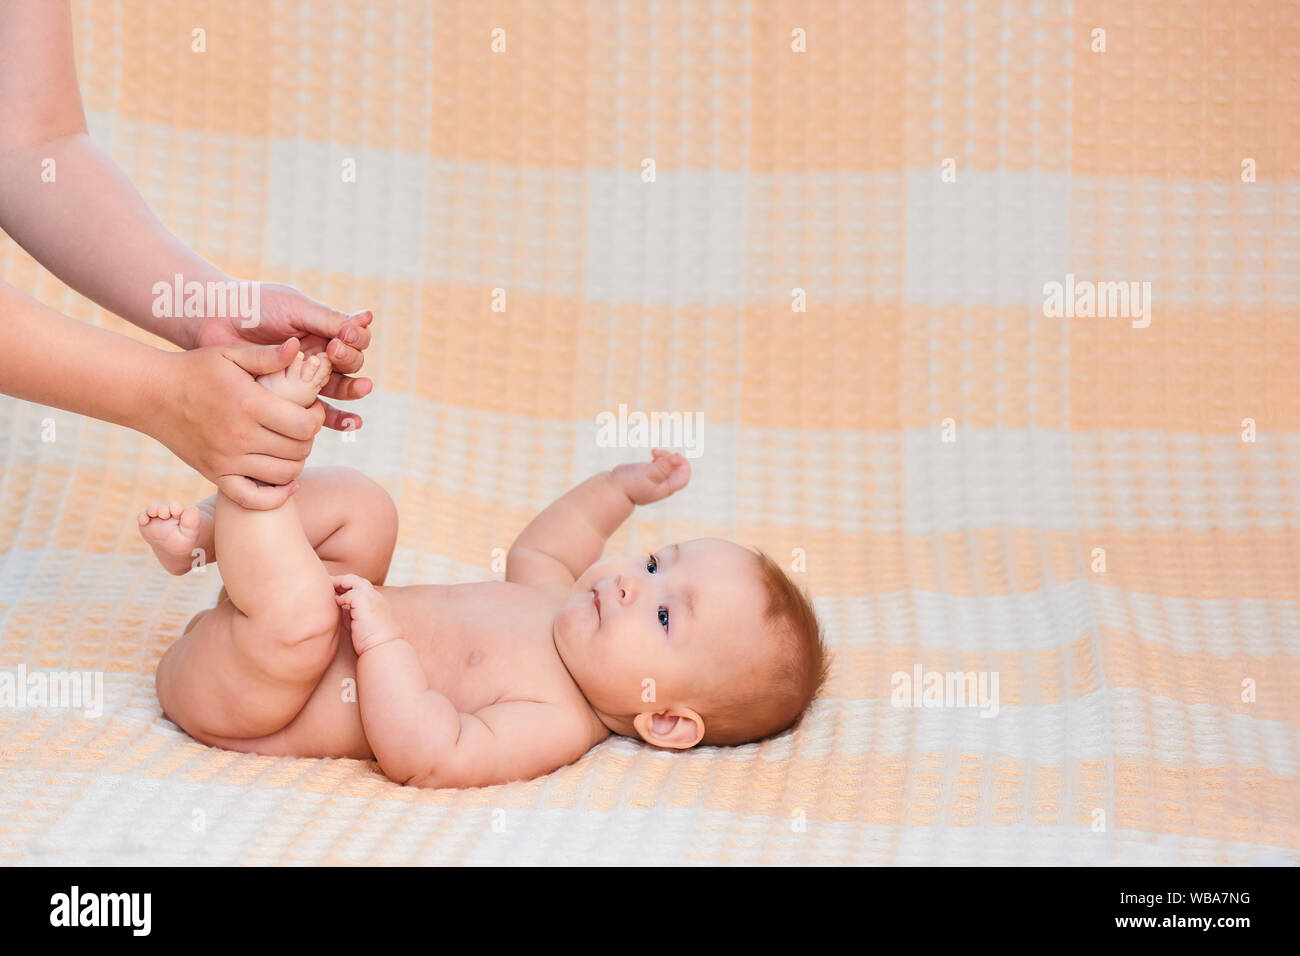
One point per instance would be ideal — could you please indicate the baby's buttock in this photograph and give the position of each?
(329, 724)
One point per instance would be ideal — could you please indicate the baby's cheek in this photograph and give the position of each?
(567, 619)
(603, 568)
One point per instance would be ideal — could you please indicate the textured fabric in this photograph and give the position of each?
(1097, 532)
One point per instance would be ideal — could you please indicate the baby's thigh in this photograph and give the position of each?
(232, 677)
(329, 724)
(366, 530)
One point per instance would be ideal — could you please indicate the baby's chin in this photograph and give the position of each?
(577, 618)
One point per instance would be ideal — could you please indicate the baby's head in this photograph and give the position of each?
(699, 642)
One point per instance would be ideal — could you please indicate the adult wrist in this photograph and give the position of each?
(156, 393)
(172, 295)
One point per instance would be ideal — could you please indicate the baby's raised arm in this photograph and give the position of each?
(569, 536)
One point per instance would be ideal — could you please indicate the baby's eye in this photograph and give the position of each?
(652, 565)
(663, 617)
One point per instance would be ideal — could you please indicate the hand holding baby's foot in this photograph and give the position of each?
(649, 481)
(372, 619)
(301, 380)
(172, 532)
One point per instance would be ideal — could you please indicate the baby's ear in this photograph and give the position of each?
(678, 728)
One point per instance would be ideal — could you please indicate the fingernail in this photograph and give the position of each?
(350, 336)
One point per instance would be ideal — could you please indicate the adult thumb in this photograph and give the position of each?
(263, 359)
(254, 497)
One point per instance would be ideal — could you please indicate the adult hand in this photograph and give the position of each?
(285, 313)
(218, 420)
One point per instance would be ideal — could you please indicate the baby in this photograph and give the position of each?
(306, 653)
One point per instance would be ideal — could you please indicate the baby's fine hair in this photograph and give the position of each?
(801, 669)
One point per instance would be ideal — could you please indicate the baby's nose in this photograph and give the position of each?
(628, 589)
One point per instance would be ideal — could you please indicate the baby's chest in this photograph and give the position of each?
(476, 661)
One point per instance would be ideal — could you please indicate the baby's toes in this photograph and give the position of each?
(190, 519)
(317, 371)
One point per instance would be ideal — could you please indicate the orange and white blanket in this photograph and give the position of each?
(841, 247)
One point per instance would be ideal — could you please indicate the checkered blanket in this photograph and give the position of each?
(992, 322)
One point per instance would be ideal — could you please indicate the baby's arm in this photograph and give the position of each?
(570, 535)
(406, 723)
(416, 733)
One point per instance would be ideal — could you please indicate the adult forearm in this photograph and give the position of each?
(92, 228)
(53, 360)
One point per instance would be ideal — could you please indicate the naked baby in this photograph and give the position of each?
(469, 685)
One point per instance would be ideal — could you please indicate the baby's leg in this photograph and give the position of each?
(348, 518)
(247, 668)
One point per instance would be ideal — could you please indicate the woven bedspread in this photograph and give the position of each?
(876, 247)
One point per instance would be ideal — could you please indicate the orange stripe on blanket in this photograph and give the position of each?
(1028, 678)
(1198, 564)
(1186, 90)
(842, 104)
(970, 66)
(1232, 802)
(1143, 662)
(1191, 370)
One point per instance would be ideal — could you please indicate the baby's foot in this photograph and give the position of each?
(172, 532)
(301, 381)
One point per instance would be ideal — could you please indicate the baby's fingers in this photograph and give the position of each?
(348, 581)
(661, 468)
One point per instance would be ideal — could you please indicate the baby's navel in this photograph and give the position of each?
(475, 658)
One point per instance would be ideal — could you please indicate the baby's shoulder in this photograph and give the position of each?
(572, 718)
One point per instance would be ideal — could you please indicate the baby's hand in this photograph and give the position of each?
(372, 619)
(649, 481)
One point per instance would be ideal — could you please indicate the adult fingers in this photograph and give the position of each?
(273, 471)
(345, 388)
(356, 330)
(290, 420)
(340, 420)
(276, 445)
(248, 494)
(262, 359)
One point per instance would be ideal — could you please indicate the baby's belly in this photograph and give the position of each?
(472, 661)
(329, 724)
